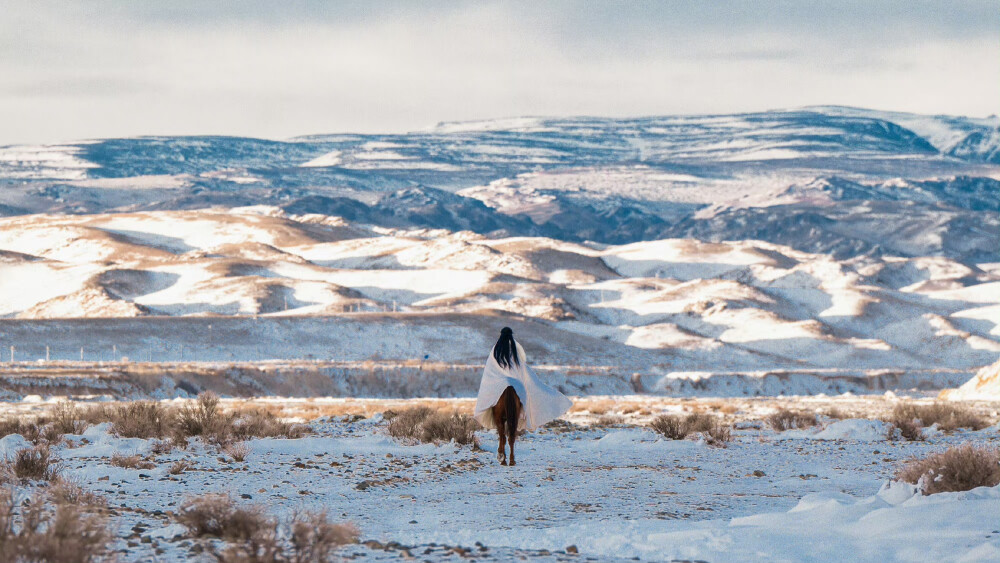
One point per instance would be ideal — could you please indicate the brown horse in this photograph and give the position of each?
(506, 414)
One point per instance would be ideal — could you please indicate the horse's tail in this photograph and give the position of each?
(510, 404)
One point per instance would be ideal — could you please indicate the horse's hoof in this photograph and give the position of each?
(503, 462)
(512, 462)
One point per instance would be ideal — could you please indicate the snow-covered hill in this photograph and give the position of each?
(802, 178)
(823, 238)
(685, 304)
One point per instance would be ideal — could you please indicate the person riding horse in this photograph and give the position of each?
(511, 397)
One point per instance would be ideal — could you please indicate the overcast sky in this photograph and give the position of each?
(76, 70)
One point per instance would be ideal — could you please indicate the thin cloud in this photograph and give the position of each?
(99, 69)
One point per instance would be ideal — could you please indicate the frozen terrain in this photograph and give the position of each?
(812, 250)
(585, 489)
(661, 316)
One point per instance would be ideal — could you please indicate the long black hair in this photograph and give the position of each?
(505, 352)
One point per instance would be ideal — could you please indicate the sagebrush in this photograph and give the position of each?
(429, 426)
(54, 531)
(785, 419)
(960, 468)
(676, 427)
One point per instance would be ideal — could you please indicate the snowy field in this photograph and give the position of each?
(597, 485)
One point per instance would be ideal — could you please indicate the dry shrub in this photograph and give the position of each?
(906, 429)
(677, 428)
(57, 533)
(50, 434)
(205, 419)
(26, 428)
(202, 418)
(259, 423)
(785, 419)
(161, 447)
(32, 464)
(949, 417)
(671, 426)
(405, 423)
(255, 536)
(426, 425)
(238, 451)
(179, 467)
(441, 427)
(608, 420)
(66, 491)
(140, 419)
(218, 515)
(314, 537)
(66, 418)
(960, 468)
(719, 435)
(263, 547)
(837, 414)
(134, 461)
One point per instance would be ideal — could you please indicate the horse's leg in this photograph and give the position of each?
(513, 408)
(498, 421)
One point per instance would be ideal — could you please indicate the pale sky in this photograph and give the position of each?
(89, 69)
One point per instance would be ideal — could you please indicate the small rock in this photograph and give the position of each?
(758, 473)
(572, 549)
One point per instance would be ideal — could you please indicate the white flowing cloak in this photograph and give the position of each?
(541, 402)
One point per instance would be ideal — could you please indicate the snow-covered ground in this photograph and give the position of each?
(611, 492)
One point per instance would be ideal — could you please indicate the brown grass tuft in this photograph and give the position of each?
(32, 464)
(217, 515)
(426, 425)
(441, 427)
(905, 429)
(237, 452)
(949, 417)
(671, 426)
(254, 534)
(57, 533)
(66, 491)
(314, 537)
(140, 419)
(608, 421)
(179, 467)
(259, 423)
(202, 418)
(405, 423)
(719, 435)
(26, 428)
(677, 428)
(960, 468)
(66, 418)
(134, 461)
(785, 419)
(161, 447)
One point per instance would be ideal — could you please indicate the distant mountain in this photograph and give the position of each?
(848, 181)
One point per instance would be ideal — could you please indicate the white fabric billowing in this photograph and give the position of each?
(541, 403)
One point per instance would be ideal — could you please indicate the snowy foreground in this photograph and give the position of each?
(579, 492)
